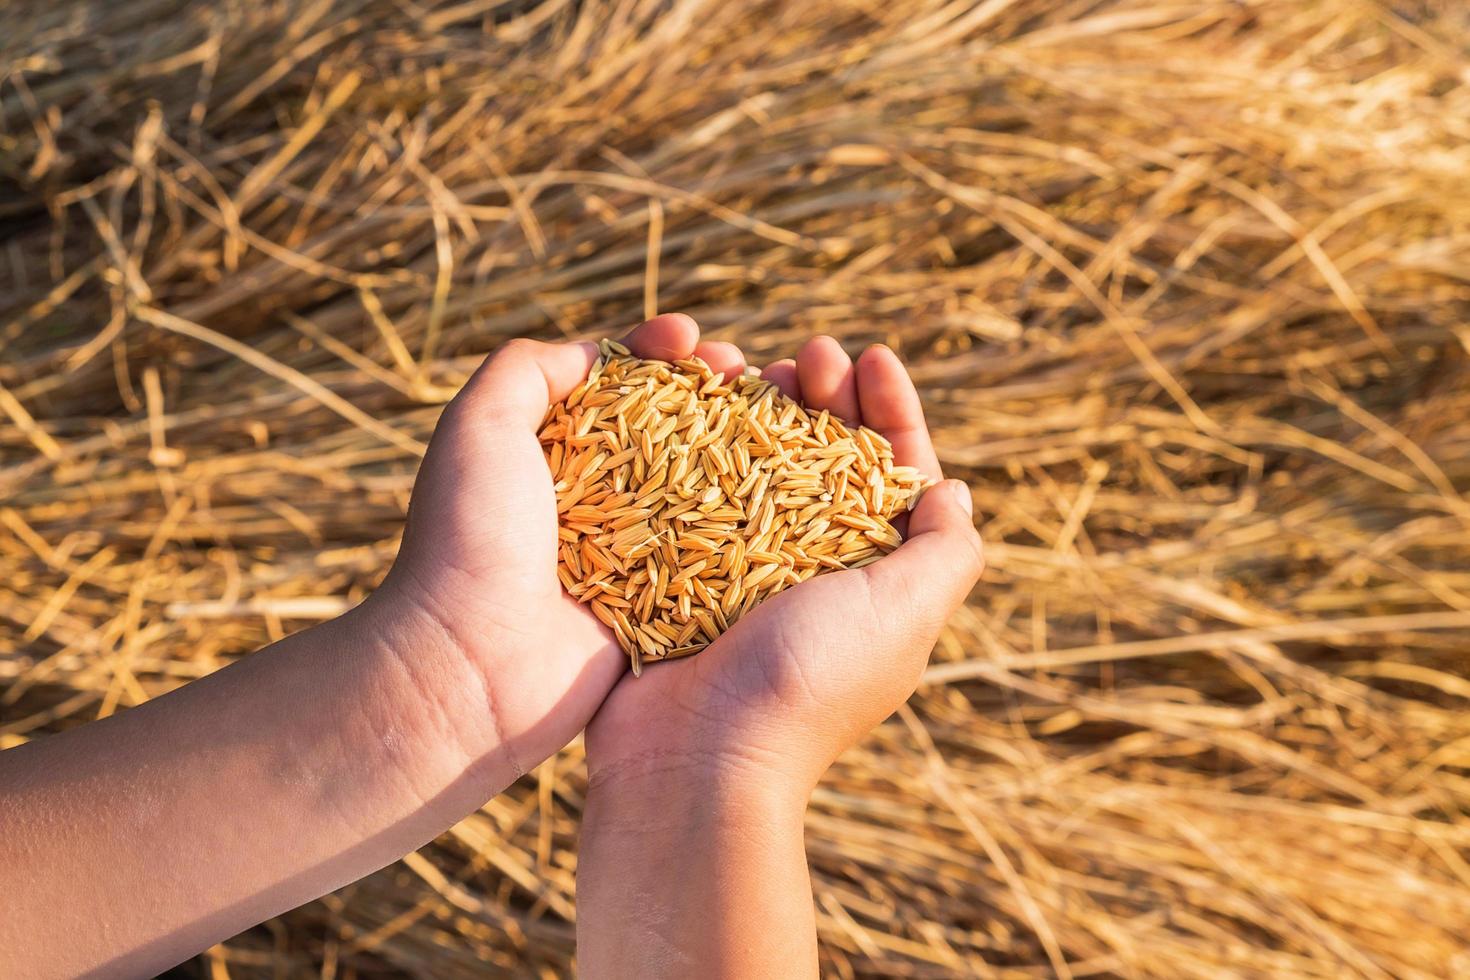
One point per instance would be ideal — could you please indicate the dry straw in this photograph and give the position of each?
(685, 498)
(1183, 289)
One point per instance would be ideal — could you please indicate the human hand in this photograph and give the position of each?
(809, 671)
(358, 740)
(518, 666)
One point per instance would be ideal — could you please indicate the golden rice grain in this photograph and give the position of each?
(685, 499)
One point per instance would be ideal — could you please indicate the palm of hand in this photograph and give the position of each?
(829, 658)
(479, 555)
(818, 665)
(489, 561)
(802, 661)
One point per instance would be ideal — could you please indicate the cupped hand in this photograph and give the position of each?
(518, 665)
(809, 671)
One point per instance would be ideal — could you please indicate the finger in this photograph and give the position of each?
(890, 404)
(669, 337)
(782, 374)
(521, 379)
(722, 358)
(828, 380)
(942, 558)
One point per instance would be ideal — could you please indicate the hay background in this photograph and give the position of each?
(1184, 285)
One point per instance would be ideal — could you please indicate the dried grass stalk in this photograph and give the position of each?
(1139, 256)
(686, 498)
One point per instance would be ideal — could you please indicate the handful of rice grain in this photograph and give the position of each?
(685, 499)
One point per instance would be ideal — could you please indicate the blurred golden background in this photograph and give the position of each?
(1185, 288)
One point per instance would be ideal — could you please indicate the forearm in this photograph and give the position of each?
(134, 842)
(694, 872)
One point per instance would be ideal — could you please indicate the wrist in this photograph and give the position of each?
(713, 849)
(421, 705)
(670, 726)
(663, 783)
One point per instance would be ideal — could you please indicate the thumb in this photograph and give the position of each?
(524, 377)
(943, 508)
(518, 382)
(943, 552)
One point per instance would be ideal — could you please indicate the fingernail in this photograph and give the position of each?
(961, 493)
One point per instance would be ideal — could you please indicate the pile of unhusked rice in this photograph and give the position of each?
(685, 498)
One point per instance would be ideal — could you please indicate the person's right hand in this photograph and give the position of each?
(809, 671)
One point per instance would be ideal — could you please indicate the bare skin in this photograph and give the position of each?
(141, 839)
(692, 859)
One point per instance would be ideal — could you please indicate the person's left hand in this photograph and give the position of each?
(511, 661)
